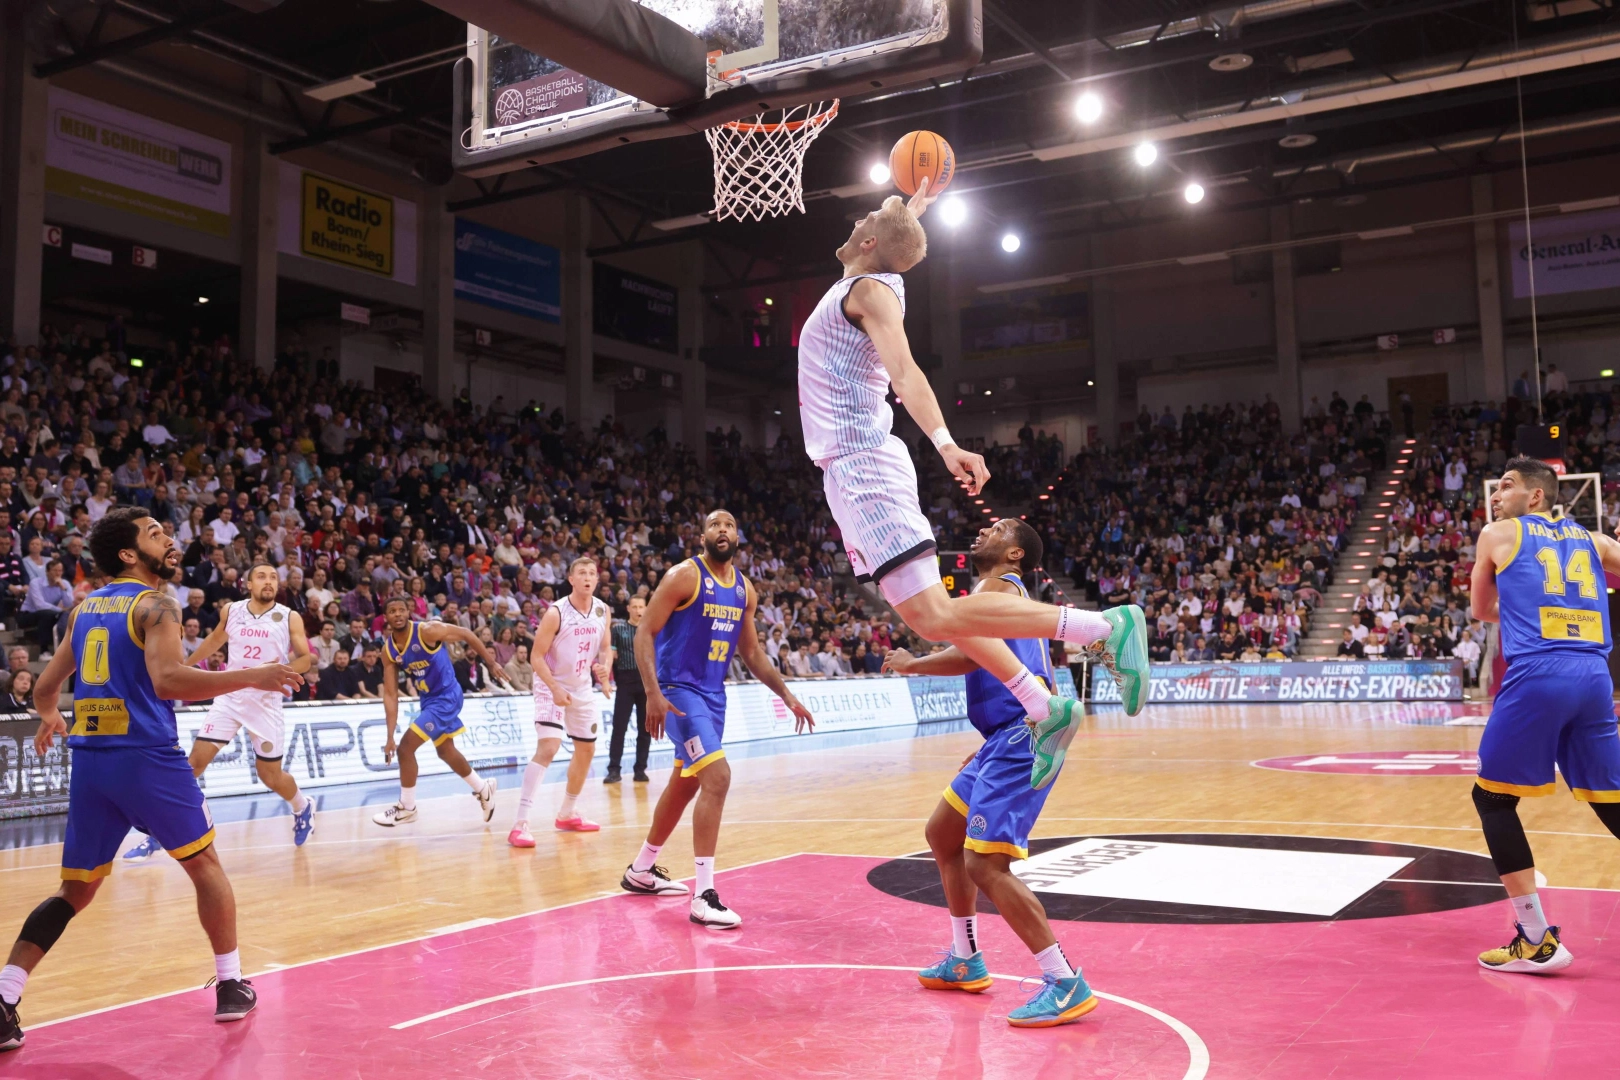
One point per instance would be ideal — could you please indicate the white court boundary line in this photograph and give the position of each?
(429, 935)
(1197, 1050)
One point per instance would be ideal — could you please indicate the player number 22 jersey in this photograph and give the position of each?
(1551, 591)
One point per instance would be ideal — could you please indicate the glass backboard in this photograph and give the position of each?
(516, 108)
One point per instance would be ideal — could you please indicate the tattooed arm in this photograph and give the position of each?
(157, 621)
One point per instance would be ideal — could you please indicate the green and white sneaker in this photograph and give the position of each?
(1125, 654)
(1050, 739)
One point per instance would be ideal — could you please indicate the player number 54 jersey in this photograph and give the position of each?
(577, 644)
(1551, 591)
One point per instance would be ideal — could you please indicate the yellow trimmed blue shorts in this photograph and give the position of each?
(992, 791)
(1553, 710)
(149, 787)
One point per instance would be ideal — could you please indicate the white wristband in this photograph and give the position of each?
(941, 438)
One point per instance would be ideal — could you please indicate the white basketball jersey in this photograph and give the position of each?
(575, 648)
(843, 387)
(256, 639)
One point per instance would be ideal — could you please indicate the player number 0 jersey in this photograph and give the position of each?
(1552, 595)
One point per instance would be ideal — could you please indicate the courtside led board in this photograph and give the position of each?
(515, 108)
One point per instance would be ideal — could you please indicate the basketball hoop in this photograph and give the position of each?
(759, 164)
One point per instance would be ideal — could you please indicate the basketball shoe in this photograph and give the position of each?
(520, 835)
(707, 910)
(142, 851)
(486, 798)
(1124, 653)
(233, 999)
(1050, 739)
(304, 824)
(957, 973)
(654, 882)
(1529, 957)
(395, 815)
(11, 1032)
(1058, 1001)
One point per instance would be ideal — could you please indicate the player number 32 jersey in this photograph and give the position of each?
(1552, 595)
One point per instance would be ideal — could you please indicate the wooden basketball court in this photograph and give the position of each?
(444, 947)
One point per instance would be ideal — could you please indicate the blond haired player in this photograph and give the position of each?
(852, 351)
(256, 631)
(570, 646)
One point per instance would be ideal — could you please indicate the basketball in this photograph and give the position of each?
(919, 154)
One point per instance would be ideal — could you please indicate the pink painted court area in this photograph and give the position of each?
(817, 983)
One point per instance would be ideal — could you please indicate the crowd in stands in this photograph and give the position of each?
(1221, 525)
(358, 496)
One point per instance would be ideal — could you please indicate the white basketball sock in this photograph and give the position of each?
(228, 966)
(965, 935)
(649, 855)
(1527, 910)
(407, 796)
(1081, 626)
(12, 981)
(1054, 963)
(1031, 693)
(533, 774)
(299, 801)
(705, 874)
(565, 809)
(474, 781)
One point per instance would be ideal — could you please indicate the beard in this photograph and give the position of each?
(987, 559)
(714, 553)
(159, 567)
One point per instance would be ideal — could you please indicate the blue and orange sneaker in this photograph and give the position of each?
(304, 824)
(1058, 1001)
(957, 973)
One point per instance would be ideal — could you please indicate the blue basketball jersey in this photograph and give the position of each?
(695, 646)
(1552, 594)
(990, 705)
(429, 669)
(114, 704)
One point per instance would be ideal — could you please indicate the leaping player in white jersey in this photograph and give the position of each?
(571, 645)
(852, 350)
(258, 631)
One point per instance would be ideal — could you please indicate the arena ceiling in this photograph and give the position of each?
(1152, 63)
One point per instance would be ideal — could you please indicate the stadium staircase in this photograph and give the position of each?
(1356, 562)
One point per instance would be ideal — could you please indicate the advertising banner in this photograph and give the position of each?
(346, 225)
(1573, 253)
(508, 272)
(338, 223)
(636, 309)
(130, 162)
(30, 784)
(1395, 680)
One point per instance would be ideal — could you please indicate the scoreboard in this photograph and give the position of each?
(956, 571)
(1543, 441)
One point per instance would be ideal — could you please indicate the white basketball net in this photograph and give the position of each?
(759, 164)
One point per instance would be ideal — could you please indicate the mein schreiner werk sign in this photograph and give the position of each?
(129, 162)
(347, 225)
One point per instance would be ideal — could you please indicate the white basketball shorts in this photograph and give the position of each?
(873, 496)
(578, 720)
(259, 712)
